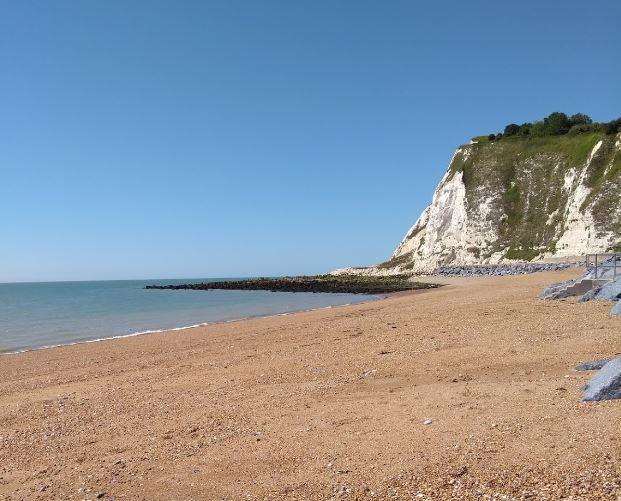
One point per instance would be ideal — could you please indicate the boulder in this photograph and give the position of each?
(556, 291)
(606, 384)
(616, 309)
(610, 291)
(587, 296)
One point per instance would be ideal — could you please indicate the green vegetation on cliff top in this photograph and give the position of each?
(555, 124)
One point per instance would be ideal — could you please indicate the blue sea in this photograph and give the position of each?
(37, 315)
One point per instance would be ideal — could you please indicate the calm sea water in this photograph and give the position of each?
(35, 315)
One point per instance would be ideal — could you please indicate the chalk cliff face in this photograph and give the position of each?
(518, 199)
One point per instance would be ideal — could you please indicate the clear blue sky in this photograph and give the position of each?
(235, 138)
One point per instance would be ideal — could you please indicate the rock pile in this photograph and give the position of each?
(602, 283)
(502, 269)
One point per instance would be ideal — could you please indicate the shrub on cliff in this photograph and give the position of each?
(580, 119)
(585, 129)
(613, 126)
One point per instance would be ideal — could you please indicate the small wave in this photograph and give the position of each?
(181, 328)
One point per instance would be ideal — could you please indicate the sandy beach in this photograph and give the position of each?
(459, 392)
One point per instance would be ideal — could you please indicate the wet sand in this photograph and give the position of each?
(329, 403)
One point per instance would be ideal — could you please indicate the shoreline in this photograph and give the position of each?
(376, 297)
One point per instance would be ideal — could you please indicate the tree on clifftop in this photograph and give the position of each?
(512, 129)
(556, 124)
(525, 129)
(613, 126)
(580, 119)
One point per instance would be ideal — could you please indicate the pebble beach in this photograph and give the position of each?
(460, 392)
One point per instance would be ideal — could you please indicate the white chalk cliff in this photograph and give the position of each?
(515, 200)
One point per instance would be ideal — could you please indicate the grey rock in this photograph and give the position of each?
(556, 290)
(593, 365)
(606, 384)
(616, 309)
(610, 291)
(601, 286)
(589, 295)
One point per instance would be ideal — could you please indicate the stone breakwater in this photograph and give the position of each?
(352, 284)
(501, 269)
